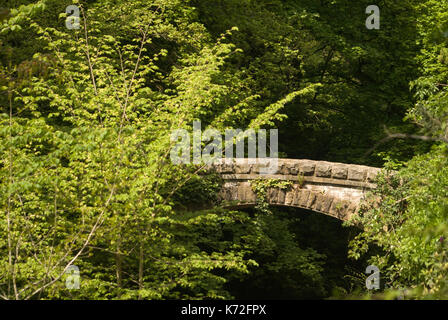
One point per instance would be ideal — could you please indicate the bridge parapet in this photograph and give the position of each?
(307, 168)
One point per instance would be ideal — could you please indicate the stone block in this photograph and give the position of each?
(372, 174)
(294, 168)
(319, 202)
(241, 193)
(311, 200)
(306, 167)
(289, 198)
(249, 195)
(272, 195)
(338, 208)
(295, 201)
(340, 172)
(281, 196)
(243, 168)
(323, 170)
(284, 167)
(226, 167)
(326, 204)
(303, 197)
(351, 210)
(356, 173)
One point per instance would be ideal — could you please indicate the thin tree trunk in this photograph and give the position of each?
(119, 262)
(140, 269)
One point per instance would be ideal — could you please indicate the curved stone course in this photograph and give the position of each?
(334, 189)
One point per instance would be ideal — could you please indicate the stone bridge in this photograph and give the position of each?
(334, 189)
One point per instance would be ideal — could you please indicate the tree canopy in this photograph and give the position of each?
(88, 104)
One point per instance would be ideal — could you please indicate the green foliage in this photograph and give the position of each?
(85, 158)
(199, 190)
(287, 268)
(408, 218)
(409, 225)
(261, 188)
(85, 123)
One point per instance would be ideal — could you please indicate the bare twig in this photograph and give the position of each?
(391, 136)
(88, 51)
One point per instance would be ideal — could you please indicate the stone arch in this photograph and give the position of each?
(334, 189)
